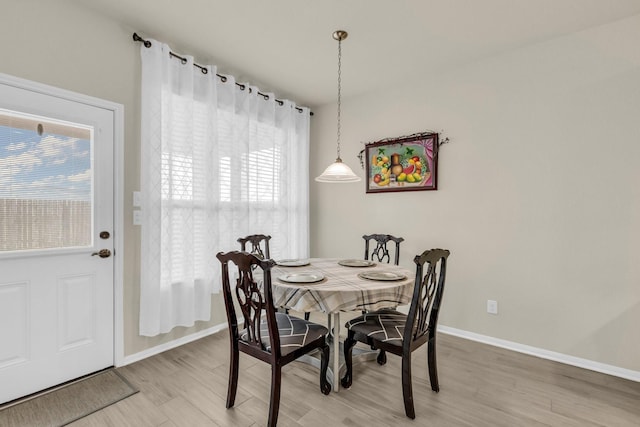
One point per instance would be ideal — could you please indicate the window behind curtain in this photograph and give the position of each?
(218, 163)
(251, 175)
(257, 168)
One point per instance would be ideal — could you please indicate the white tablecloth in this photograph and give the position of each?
(341, 289)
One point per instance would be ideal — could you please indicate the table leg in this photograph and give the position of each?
(336, 364)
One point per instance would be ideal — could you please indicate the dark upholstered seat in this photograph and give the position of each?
(401, 334)
(275, 338)
(384, 325)
(294, 333)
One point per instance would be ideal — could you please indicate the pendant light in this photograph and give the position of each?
(338, 172)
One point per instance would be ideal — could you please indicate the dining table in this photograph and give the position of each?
(332, 286)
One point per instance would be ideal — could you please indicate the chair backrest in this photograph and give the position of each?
(381, 252)
(256, 240)
(422, 319)
(252, 301)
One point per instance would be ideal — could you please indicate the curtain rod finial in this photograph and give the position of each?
(137, 38)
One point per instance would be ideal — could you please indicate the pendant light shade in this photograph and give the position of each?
(338, 172)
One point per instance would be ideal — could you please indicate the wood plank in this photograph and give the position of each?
(480, 385)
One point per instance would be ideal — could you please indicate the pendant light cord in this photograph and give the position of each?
(339, 90)
(338, 171)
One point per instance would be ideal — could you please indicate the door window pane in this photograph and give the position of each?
(46, 183)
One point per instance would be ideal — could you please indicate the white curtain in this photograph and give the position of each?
(218, 163)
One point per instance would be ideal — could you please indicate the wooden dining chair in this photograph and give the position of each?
(259, 245)
(380, 252)
(273, 337)
(402, 334)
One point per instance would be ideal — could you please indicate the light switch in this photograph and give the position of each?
(492, 307)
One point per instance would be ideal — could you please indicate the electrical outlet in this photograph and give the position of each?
(492, 307)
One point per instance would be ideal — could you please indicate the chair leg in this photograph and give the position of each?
(382, 357)
(407, 388)
(233, 376)
(306, 315)
(349, 343)
(433, 366)
(325, 386)
(274, 405)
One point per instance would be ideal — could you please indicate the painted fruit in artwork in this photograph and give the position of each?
(377, 178)
(396, 167)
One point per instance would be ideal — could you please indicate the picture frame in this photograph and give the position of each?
(407, 163)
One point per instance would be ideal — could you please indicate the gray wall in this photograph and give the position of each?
(539, 190)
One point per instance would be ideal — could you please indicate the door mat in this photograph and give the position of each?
(70, 402)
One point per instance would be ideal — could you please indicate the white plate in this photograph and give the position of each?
(293, 262)
(301, 277)
(356, 263)
(381, 275)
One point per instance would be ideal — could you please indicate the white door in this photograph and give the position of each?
(56, 215)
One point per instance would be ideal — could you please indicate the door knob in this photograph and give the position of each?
(102, 253)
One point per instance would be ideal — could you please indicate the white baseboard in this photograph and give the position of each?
(544, 354)
(169, 345)
(497, 342)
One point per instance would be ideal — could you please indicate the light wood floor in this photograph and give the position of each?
(480, 385)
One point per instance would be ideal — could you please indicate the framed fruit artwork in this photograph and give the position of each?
(408, 163)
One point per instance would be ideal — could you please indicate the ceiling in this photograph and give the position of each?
(285, 46)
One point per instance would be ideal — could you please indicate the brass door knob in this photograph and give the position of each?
(102, 253)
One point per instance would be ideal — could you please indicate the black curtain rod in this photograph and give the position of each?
(204, 70)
